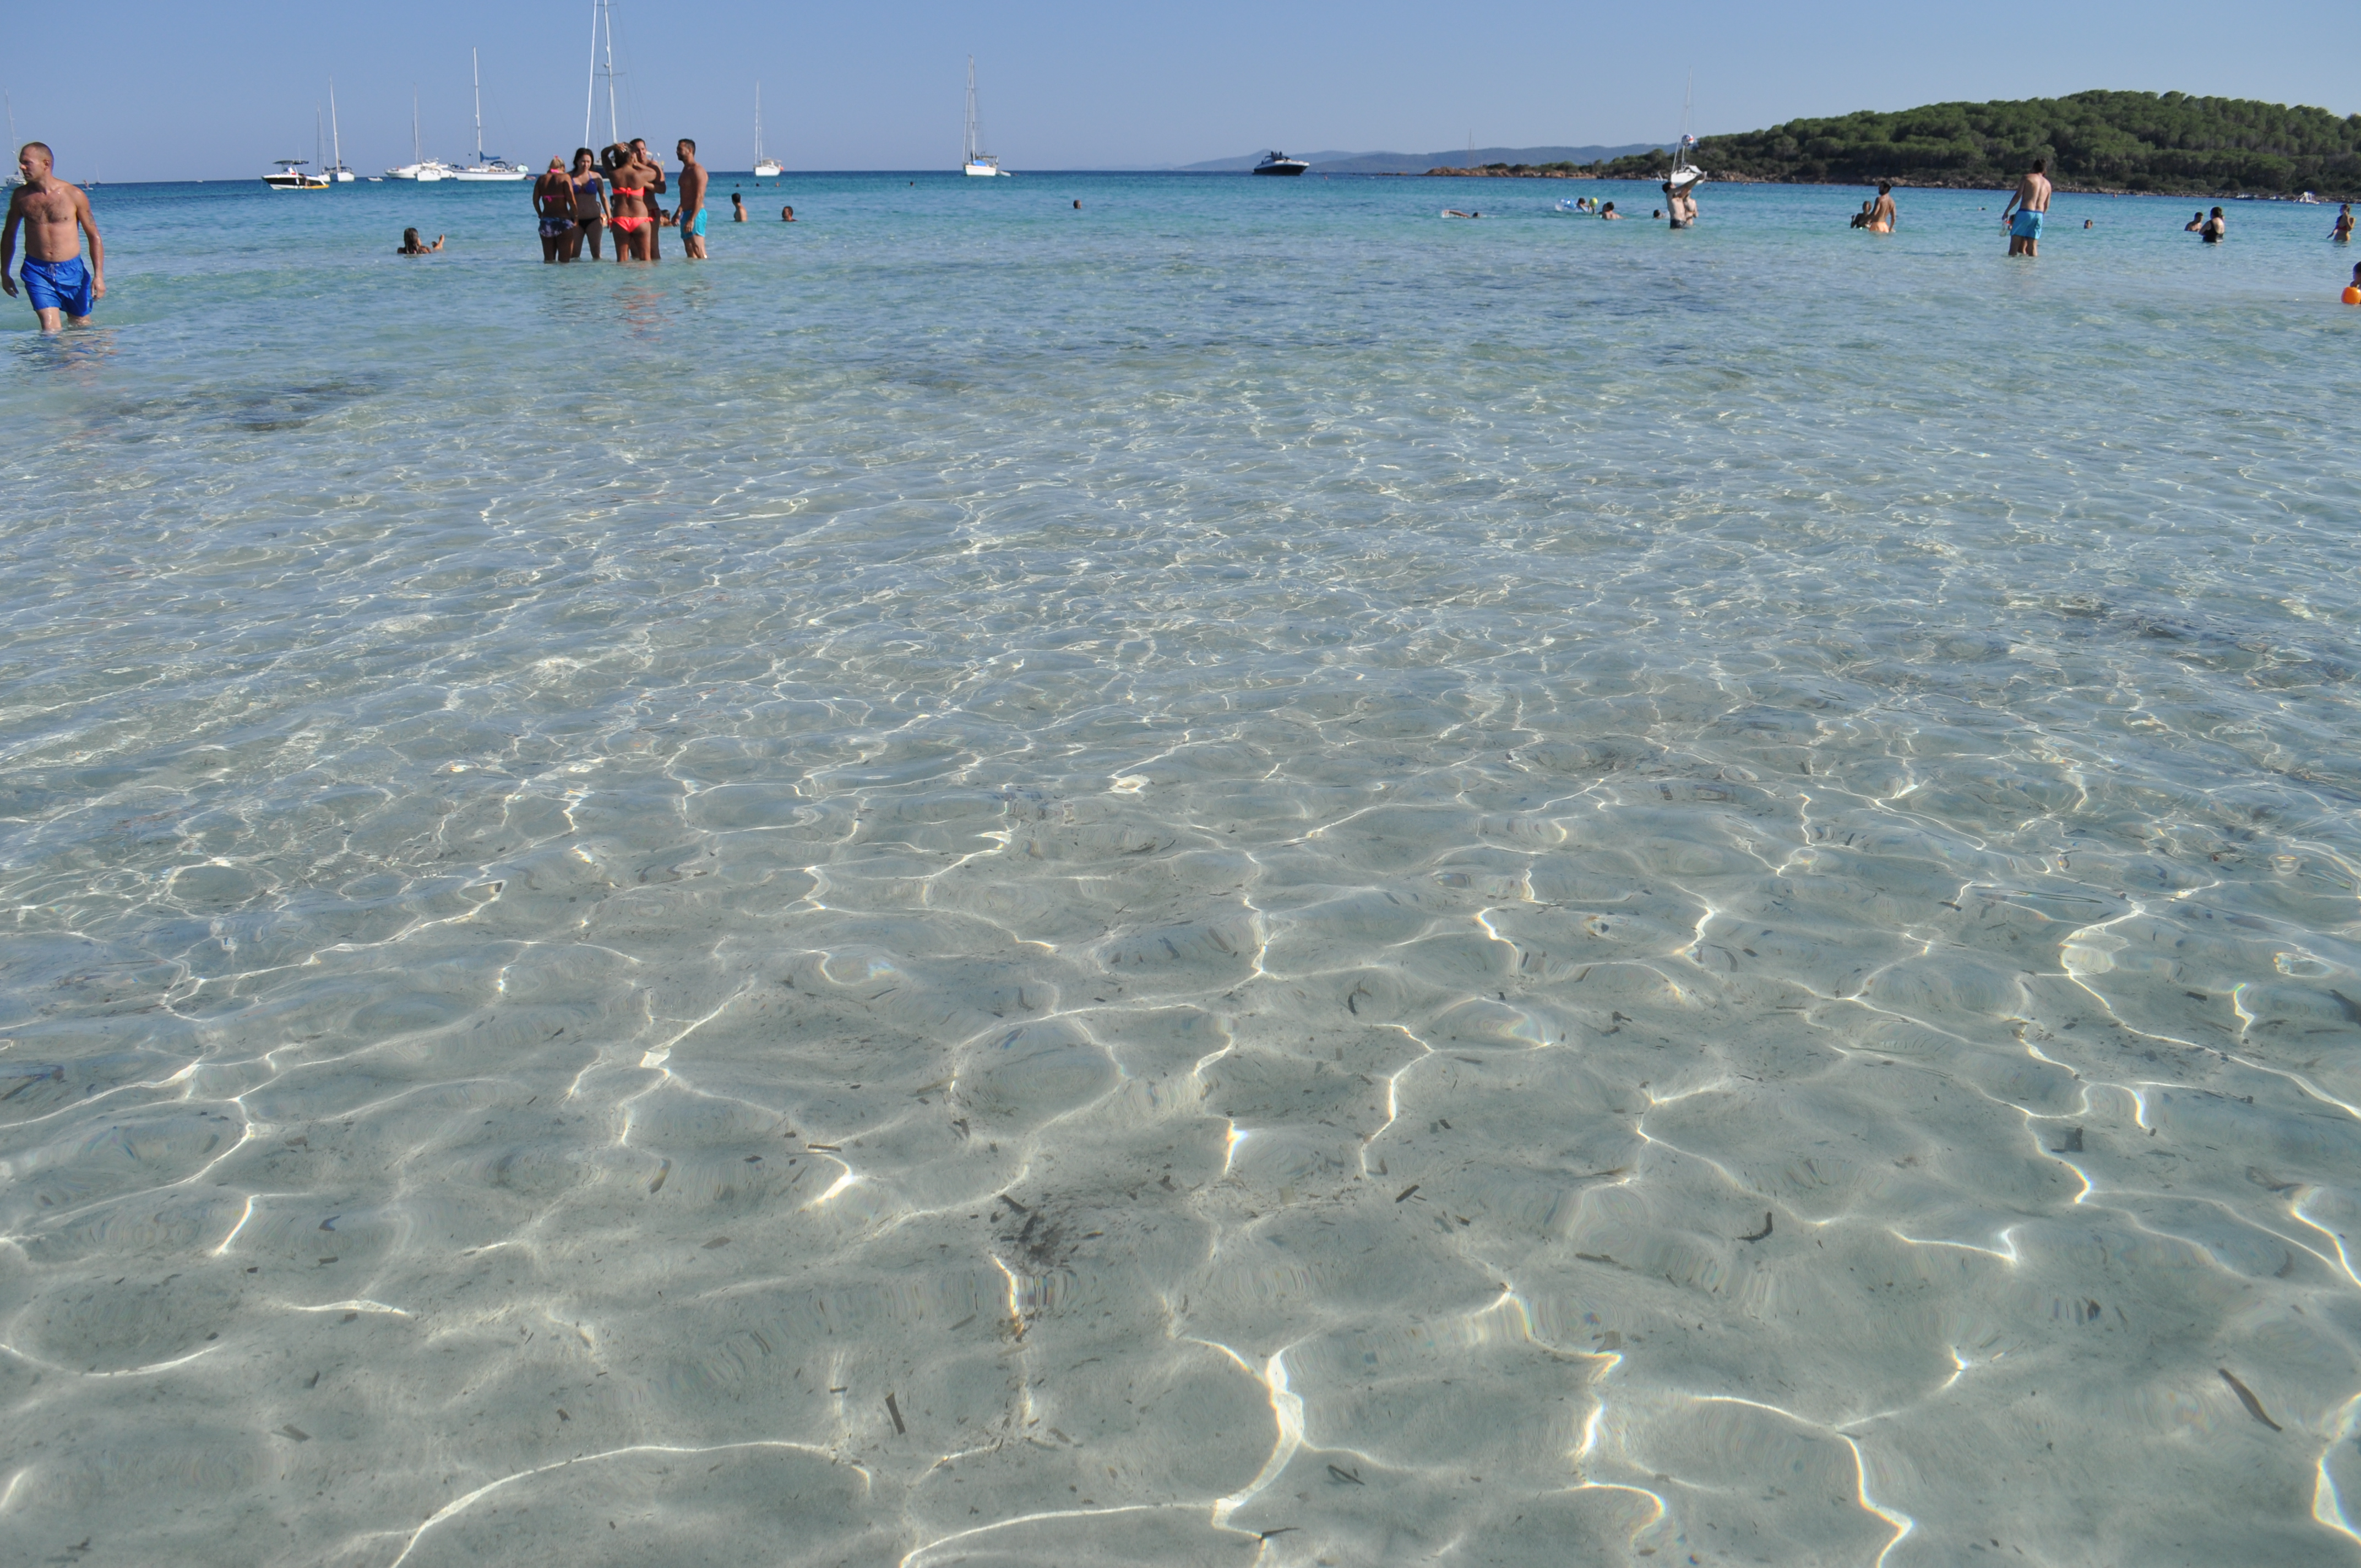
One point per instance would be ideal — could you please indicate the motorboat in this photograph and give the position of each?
(494, 170)
(976, 162)
(291, 176)
(765, 166)
(1280, 163)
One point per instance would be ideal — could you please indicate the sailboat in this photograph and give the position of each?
(426, 170)
(337, 170)
(1686, 177)
(764, 167)
(495, 168)
(981, 164)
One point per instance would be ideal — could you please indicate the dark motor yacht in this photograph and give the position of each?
(1280, 163)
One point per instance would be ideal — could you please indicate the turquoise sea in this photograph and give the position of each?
(1238, 877)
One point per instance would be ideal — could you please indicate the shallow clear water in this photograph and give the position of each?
(996, 884)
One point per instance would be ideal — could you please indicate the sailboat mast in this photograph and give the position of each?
(416, 156)
(477, 69)
(590, 87)
(614, 127)
(971, 109)
(335, 137)
(758, 122)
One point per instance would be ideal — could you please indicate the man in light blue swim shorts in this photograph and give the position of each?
(54, 215)
(2032, 204)
(690, 213)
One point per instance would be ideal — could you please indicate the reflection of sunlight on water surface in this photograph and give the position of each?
(1067, 924)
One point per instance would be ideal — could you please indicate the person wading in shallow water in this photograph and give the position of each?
(59, 287)
(656, 187)
(690, 213)
(589, 205)
(1881, 216)
(2032, 204)
(632, 206)
(553, 199)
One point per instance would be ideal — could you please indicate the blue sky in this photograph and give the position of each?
(216, 91)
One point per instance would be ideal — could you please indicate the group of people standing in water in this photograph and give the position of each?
(614, 192)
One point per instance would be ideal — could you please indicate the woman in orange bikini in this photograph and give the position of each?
(632, 211)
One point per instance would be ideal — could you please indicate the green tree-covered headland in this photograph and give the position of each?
(2168, 142)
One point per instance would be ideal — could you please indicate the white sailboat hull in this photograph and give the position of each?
(489, 176)
(982, 170)
(767, 170)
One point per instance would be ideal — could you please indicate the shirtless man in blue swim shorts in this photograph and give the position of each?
(2032, 204)
(58, 286)
(690, 213)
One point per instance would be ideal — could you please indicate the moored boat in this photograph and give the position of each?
(291, 176)
(765, 166)
(494, 168)
(976, 162)
(419, 168)
(1280, 163)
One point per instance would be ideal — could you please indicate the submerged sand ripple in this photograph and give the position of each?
(1263, 971)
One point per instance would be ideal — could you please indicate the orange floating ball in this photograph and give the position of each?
(2352, 293)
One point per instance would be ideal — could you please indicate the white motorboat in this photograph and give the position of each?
(765, 168)
(423, 170)
(291, 176)
(977, 162)
(484, 170)
(499, 170)
(1280, 163)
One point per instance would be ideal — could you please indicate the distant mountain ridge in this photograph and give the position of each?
(1420, 162)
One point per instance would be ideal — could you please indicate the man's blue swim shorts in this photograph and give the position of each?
(57, 285)
(2026, 225)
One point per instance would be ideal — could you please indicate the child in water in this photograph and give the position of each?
(410, 245)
